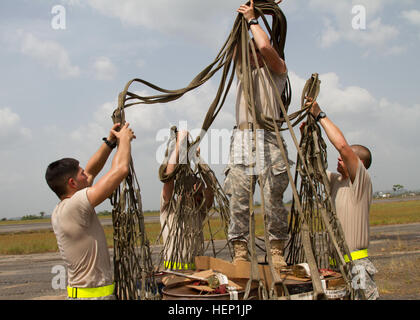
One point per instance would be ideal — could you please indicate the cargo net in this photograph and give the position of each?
(133, 268)
(313, 214)
(189, 219)
(316, 234)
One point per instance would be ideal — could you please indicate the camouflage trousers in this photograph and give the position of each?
(240, 181)
(364, 270)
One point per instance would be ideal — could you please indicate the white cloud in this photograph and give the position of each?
(11, 128)
(350, 100)
(376, 36)
(49, 53)
(412, 16)
(151, 124)
(104, 69)
(342, 8)
(191, 108)
(14, 138)
(203, 21)
(330, 35)
(72, 2)
(388, 128)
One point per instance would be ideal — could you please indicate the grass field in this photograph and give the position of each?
(398, 212)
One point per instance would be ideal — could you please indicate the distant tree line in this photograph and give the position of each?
(33, 217)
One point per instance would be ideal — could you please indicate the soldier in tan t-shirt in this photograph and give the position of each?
(351, 193)
(175, 232)
(80, 236)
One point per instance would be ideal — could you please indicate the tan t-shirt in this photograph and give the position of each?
(82, 243)
(352, 202)
(262, 100)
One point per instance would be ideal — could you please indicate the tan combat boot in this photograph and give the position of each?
(277, 251)
(241, 251)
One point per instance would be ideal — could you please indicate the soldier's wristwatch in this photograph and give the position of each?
(252, 21)
(110, 144)
(320, 116)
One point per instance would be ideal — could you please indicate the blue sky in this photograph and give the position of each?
(59, 87)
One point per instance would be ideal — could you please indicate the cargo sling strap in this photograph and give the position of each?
(188, 219)
(133, 267)
(302, 229)
(313, 212)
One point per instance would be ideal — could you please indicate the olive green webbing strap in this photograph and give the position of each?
(248, 94)
(223, 60)
(246, 76)
(247, 84)
(220, 209)
(133, 267)
(327, 209)
(311, 90)
(317, 285)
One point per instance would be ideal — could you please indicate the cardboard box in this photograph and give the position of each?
(242, 270)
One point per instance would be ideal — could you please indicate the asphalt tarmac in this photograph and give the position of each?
(33, 276)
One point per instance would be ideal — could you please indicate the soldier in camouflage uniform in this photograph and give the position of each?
(268, 164)
(270, 167)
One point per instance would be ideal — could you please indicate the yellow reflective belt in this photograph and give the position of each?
(90, 292)
(355, 255)
(178, 265)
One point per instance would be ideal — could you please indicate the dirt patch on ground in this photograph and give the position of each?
(400, 278)
(398, 274)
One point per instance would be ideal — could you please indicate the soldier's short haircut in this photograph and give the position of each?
(58, 173)
(363, 153)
